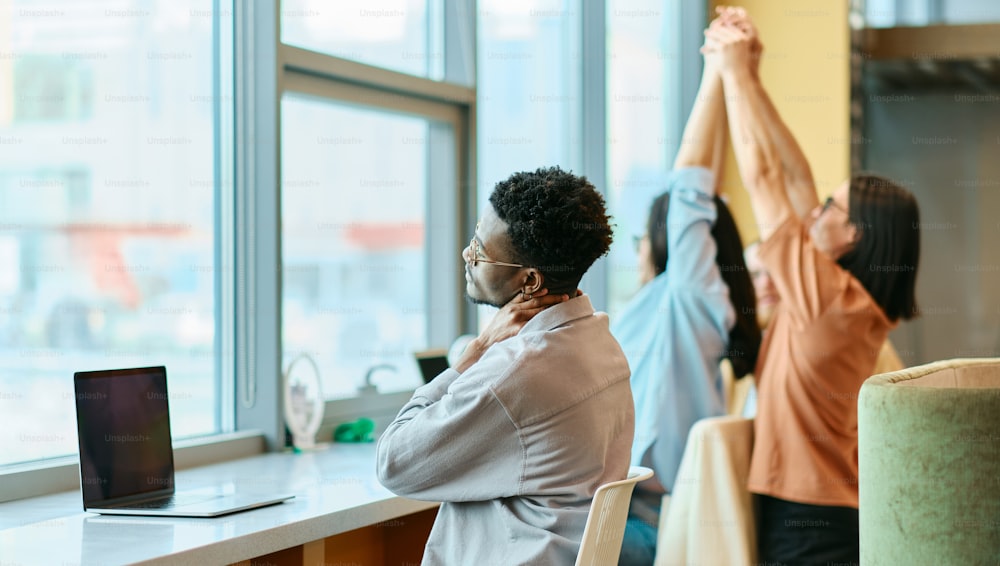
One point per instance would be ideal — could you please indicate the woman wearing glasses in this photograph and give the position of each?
(695, 307)
(845, 272)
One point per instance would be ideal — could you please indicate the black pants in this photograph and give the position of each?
(796, 534)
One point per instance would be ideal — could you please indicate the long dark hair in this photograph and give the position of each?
(744, 338)
(886, 255)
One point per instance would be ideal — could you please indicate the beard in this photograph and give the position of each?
(485, 302)
(488, 302)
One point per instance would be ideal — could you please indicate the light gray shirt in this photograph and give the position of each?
(516, 446)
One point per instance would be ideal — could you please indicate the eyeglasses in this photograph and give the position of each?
(830, 202)
(478, 257)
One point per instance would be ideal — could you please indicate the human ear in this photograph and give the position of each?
(534, 281)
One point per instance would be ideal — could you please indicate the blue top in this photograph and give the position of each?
(675, 329)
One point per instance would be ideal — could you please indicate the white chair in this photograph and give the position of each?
(602, 537)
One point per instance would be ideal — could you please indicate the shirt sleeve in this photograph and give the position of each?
(808, 281)
(691, 249)
(453, 441)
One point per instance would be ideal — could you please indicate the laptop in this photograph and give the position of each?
(126, 452)
(431, 363)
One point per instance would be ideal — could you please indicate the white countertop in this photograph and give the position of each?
(335, 491)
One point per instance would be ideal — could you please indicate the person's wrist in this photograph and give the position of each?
(477, 346)
(473, 351)
(737, 73)
(755, 63)
(711, 71)
(711, 79)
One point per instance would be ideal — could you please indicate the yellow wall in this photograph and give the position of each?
(806, 70)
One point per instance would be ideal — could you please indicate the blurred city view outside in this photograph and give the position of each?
(530, 97)
(354, 199)
(528, 92)
(109, 129)
(354, 278)
(400, 35)
(107, 188)
(110, 182)
(643, 130)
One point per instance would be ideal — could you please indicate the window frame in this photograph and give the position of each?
(61, 473)
(249, 364)
(343, 82)
(248, 223)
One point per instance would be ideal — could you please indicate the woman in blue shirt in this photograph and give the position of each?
(696, 307)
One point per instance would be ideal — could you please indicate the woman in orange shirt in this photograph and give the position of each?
(845, 271)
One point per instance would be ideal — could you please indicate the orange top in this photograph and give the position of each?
(820, 347)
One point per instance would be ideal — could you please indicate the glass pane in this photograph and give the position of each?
(107, 216)
(402, 35)
(528, 88)
(529, 91)
(970, 12)
(639, 54)
(893, 13)
(354, 274)
(880, 13)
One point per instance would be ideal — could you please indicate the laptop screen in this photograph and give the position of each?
(431, 363)
(123, 426)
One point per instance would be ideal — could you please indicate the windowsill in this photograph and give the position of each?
(380, 407)
(53, 475)
(335, 489)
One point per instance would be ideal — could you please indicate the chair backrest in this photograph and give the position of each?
(709, 519)
(927, 464)
(602, 537)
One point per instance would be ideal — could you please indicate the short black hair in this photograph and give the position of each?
(743, 345)
(886, 256)
(557, 223)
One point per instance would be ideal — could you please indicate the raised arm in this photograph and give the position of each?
(704, 137)
(693, 184)
(756, 154)
(798, 177)
(799, 183)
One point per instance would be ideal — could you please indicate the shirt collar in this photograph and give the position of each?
(558, 315)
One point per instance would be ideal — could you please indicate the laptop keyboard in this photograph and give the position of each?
(170, 502)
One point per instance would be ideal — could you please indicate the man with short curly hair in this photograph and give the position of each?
(537, 411)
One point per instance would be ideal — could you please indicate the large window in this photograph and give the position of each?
(402, 35)
(373, 162)
(529, 91)
(110, 171)
(641, 138)
(653, 71)
(220, 187)
(529, 88)
(355, 237)
(545, 99)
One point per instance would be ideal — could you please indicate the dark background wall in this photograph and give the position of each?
(943, 143)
